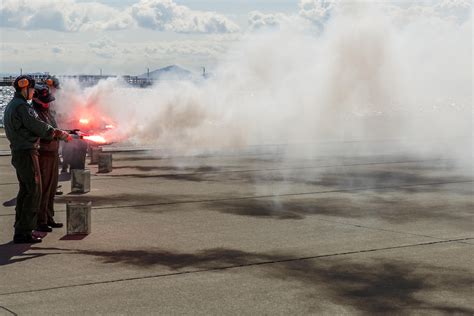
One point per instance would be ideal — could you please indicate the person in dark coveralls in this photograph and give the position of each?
(53, 84)
(48, 160)
(23, 129)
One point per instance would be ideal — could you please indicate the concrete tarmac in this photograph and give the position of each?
(250, 233)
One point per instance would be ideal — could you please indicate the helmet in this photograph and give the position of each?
(52, 81)
(23, 81)
(42, 94)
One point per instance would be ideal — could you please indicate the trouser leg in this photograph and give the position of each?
(54, 185)
(28, 172)
(49, 179)
(19, 198)
(45, 180)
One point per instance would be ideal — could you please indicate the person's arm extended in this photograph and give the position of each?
(31, 121)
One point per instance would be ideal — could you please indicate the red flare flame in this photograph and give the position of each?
(96, 139)
(83, 121)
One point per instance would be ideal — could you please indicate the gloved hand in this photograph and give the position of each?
(62, 135)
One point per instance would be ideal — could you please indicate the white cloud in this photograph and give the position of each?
(72, 16)
(258, 20)
(57, 50)
(65, 15)
(113, 53)
(166, 15)
(138, 46)
(104, 42)
(104, 48)
(311, 14)
(317, 11)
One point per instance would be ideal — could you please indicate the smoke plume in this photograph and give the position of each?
(367, 73)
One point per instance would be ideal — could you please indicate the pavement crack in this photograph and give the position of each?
(236, 266)
(9, 311)
(386, 230)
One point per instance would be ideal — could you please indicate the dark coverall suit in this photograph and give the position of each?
(23, 129)
(49, 165)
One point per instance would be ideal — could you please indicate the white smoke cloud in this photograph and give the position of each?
(454, 4)
(319, 12)
(365, 77)
(72, 16)
(437, 12)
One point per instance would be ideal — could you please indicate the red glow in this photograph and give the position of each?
(92, 123)
(96, 139)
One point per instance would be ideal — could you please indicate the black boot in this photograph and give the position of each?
(59, 191)
(54, 224)
(26, 239)
(44, 228)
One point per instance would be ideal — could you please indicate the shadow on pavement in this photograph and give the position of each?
(381, 287)
(264, 208)
(73, 237)
(10, 203)
(171, 168)
(350, 177)
(116, 200)
(196, 177)
(11, 253)
(375, 287)
(370, 178)
(389, 205)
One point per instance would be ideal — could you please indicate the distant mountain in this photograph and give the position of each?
(172, 72)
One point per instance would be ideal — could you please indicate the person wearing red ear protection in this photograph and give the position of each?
(48, 160)
(23, 129)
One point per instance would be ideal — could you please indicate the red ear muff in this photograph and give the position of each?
(22, 83)
(49, 82)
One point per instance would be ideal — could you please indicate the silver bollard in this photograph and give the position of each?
(95, 152)
(80, 181)
(78, 217)
(105, 163)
